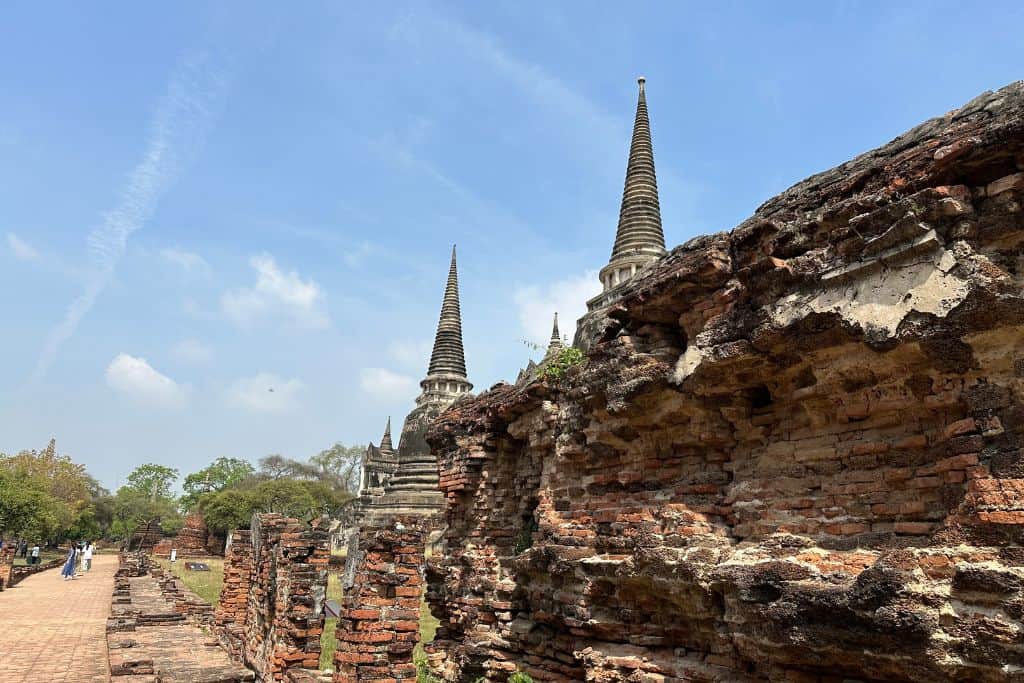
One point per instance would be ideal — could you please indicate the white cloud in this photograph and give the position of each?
(182, 119)
(192, 352)
(276, 293)
(136, 378)
(23, 251)
(537, 305)
(186, 260)
(387, 384)
(266, 393)
(412, 353)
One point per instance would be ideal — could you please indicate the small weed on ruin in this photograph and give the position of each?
(556, 367)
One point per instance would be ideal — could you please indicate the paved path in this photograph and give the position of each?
(55, 630)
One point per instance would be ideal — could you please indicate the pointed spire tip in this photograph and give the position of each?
(448, 356)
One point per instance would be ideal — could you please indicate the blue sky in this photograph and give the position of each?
(200, 201)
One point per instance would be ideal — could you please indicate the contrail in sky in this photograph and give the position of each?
(182, 119)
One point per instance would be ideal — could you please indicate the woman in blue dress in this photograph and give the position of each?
(68, 572)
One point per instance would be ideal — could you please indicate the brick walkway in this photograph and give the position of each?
(55, 630)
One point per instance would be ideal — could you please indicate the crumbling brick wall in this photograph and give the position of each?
(379, 624)
(229, 616)
(283, 618)
(22, 571)
(793, 450)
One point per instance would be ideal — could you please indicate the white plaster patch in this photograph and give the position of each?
(881, 300)
(687, 363)
(877, 301)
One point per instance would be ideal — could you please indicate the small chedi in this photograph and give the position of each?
(147, 536)
(192, 540)
(792, 452)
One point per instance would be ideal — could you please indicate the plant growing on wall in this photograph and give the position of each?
(558, 365)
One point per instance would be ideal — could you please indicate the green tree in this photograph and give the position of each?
(226, 510)
(146, 497)
(27, 510)
(59, 491)
(134, 507)
(222, 473)
(233, 507)
(65, 482)
(153, 480)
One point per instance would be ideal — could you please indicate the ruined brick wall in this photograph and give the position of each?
(22, 571)
(379, 624)
(286, 566)
(793, 451)
(229, 615)
(184, 600)
(153, 630)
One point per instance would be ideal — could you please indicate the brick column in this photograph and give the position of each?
(6, 563)
(230, 613)
(229, 617)
(379, 624)
(284, 616)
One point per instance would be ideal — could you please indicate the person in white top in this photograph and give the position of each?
(87, 556)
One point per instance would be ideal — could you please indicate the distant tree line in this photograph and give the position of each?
(46, 497)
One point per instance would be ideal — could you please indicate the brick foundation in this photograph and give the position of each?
(153, 634)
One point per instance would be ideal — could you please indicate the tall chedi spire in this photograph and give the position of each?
(414, 488)
(446, 375)
(639, 238)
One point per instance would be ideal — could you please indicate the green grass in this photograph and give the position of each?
(44, 557)
(428, 623)
(328, 641)
(206, 585)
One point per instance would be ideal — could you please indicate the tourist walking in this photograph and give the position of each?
(68, 572)
(87, 556)
(33, 554)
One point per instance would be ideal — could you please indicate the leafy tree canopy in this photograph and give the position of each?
(26, 507)
(233, 507)
(43, 494)
(222, 473)
(152, 480)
